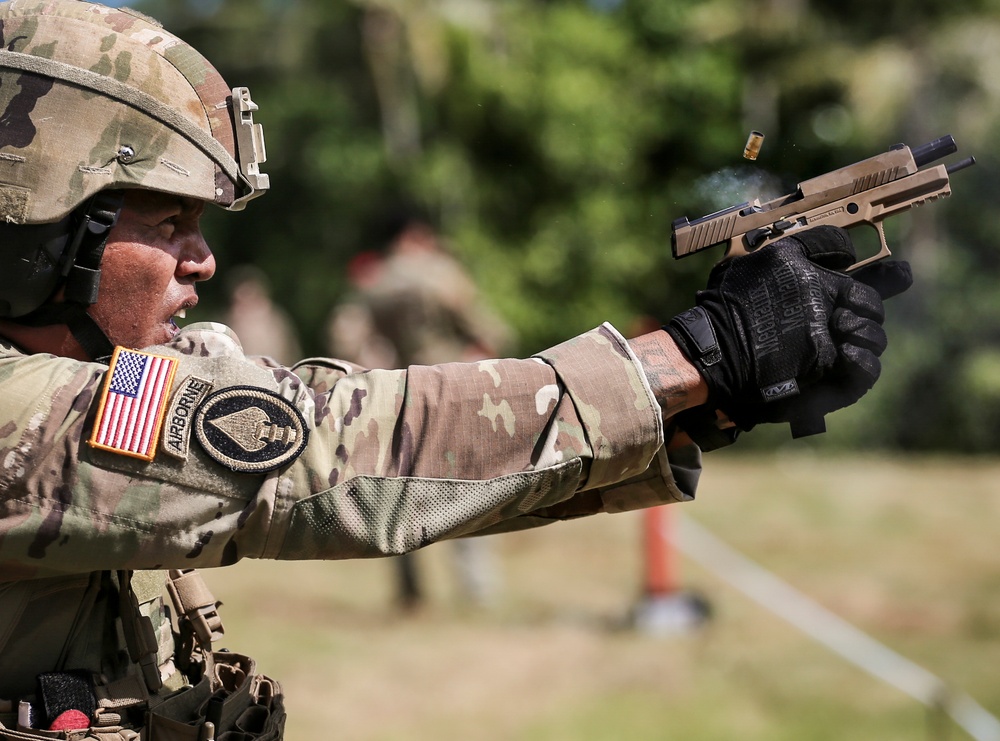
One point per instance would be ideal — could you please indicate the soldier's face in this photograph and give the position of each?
(153, 258)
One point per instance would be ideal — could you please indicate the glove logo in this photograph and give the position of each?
(763, 325)
(780, 390)
(250, 430)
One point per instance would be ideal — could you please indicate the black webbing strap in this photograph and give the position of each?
(83, 276)
(87, 248)
(85, 330)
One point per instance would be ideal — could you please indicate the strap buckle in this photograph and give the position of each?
(196, 607)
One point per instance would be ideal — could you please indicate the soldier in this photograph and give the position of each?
(130, 446)
(264, 327)
(413, 303)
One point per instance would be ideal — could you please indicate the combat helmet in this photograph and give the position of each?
(94, 100)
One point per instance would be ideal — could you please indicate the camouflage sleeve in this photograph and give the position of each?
(383, 461)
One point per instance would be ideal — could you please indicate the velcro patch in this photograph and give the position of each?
(133, 403)
(15, 202)
(179, 420)
(250, 429)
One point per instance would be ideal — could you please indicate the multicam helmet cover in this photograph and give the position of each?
(94, 98)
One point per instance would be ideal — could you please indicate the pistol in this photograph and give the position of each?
(865, 193)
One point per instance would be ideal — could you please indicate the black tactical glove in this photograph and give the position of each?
(780, 336)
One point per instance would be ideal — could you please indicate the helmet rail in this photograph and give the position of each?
(249, 136)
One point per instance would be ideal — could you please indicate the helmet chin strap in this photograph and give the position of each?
(85, 330)
(82, 268)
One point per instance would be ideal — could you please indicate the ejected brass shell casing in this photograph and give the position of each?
(754, 141)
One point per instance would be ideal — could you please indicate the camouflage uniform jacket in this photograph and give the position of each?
(395, 460)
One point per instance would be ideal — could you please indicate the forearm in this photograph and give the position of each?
(675, 382)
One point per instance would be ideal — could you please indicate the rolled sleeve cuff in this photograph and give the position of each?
(672, 477)
(612, 397)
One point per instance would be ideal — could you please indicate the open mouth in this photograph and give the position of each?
(179, 315)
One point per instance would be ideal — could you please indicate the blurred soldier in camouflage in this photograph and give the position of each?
(415, 304)
(264, 327)
(129, 446)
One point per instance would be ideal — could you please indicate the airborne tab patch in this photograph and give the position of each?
(133, 403)
(179, 418)
(250, 429)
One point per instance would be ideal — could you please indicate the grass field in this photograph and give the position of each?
(905, 549)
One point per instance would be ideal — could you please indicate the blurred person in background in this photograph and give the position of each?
(136, 452)
(413, 303)
(264, 328)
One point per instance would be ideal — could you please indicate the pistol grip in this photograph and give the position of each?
(806, 426)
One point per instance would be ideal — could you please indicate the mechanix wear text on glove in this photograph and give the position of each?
(781, 336)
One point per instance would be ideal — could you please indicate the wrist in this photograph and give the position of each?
(674, 380)
(706, 339)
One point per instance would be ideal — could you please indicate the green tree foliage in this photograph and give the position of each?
(554, 142)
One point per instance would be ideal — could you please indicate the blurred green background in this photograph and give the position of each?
(555, 141)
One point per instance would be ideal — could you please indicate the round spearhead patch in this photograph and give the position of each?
(250, 430)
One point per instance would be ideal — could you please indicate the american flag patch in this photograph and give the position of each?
(133, 403)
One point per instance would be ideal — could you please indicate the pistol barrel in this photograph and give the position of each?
(934, 150)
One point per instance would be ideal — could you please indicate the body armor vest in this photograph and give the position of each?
(106, 644)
